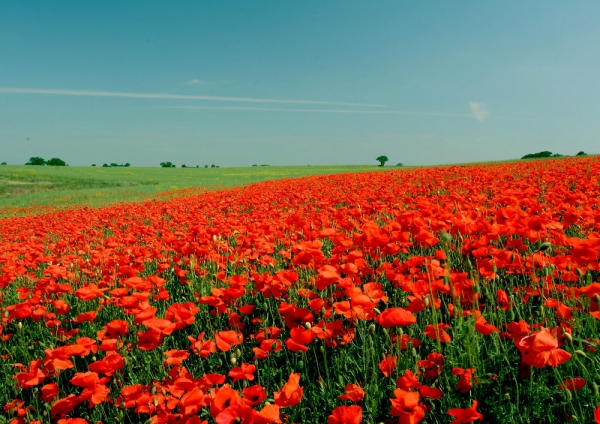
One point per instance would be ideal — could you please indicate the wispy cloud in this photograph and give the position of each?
(289, 110)
(479, 110)
(174, 96)
(196, 81)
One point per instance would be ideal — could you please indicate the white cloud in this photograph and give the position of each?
(197, 82)
(174, 96)
(479, 110)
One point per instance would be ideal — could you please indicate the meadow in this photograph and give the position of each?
(427, 295)
(34, 189)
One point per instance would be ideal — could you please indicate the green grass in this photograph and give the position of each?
(25, 189)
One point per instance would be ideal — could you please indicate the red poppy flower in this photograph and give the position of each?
(432, 366)
(572, 384)
(436, 332)
(406, 407)
(394, 317)
(465, 415)
(226, 339)
(353, 393)
(243, 372)
(541, 349)
(291, 392)
(49, 392)
(346, 415)
(254, 395)
(485, 328)
(466, 381)
(387, 365)
(32, 377)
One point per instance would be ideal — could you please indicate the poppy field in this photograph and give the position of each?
(454, 294)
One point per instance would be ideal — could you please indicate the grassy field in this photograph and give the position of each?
(27, 189)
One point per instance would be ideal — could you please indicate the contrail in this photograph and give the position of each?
(173, 96)
(272, 109)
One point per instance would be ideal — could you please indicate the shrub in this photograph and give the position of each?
(544, 154)
(582, 153)
(3, 163)
(399, 164)
(36, 160)
(167, 165)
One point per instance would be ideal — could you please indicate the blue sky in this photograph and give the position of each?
(294, 83)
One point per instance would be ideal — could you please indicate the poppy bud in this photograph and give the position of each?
(307, 325)
(20, 325)
(153, 391)
(322, 349)
(238, 353)
(233, 360)
(300, 365)
(568, 337)
(377, 310)
(597, 298)
(426, 301)
(580, 353)
(595, 388)
(446, 238)
(371, 328)
(476, 288)
(579, 272)
(400, 333)
(544, 246)
(155, 402)
(413, 352)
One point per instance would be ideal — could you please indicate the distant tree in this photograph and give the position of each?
(167, 165)
(539, 155)
(206, 166)
(183, 166)
(255, 165)
(213, 165)
(399, 164)
(582, 153)
(93, 164)
(127, 165)
(382, 160)
(36, 161)
(105, 166)
(3, 163)
(114, 164)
